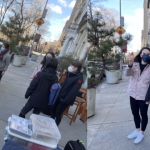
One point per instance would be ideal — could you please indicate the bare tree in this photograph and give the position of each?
(91, 5)
(5, 5)
(30, 11)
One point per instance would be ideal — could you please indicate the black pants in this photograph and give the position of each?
(28, 107)
(137, 105)
(1, 74)
(56, 111)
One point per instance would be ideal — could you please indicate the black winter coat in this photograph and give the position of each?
(70, 88)
(147, 97)
(39, 89)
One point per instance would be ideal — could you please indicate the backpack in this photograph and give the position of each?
(74, 145)
(54, 92)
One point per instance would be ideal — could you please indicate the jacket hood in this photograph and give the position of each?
(49, 73)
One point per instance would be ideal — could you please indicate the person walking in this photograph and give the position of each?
(39, 89)
(40, 66)
(4, 59)
(69, 90)
(139, 69)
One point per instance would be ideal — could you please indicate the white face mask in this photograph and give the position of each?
(70, 69)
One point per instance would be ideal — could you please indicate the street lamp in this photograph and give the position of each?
(120, 47)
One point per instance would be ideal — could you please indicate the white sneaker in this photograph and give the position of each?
(139, 138)
(133, 135)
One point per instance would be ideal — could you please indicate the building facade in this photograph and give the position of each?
(76, 36)
(145, 38)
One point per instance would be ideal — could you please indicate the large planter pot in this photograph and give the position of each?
(17, 61)
(120, 74)
(24, 60)
(91, 98)
(112, 77)
(34, 57)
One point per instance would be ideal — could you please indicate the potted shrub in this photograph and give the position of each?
(34, 57)
(112, 76)
(102, 39)
(15, 33)
(93, 82)
(17, 61)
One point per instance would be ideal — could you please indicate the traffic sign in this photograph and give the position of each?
(124, 48)
(40, 21)
(38, 36)
(120, 30)
(45, 43)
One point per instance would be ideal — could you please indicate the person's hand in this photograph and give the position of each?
(64, 71)
(31, 80)
(131, 59)
(148, 103)
(3, 73)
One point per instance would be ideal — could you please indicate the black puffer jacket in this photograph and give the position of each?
(39, 89)
(70, 87)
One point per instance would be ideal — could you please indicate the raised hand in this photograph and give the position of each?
(131, 58)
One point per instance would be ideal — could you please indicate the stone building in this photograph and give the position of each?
(145, 39)
(76, 36)
(62, 36)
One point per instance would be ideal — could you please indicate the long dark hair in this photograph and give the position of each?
(6, 45)
(44, 59)
(52, 63)
(138, 57)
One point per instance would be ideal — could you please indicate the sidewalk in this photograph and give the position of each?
(12, 90)
(113, 120)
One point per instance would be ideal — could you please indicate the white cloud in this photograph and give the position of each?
(72, 4)
(55, 8)
(134, 27)
(51, 38)
(67, 18)
(96, 9)
(63, 2)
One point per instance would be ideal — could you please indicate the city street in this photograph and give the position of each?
(113, 120)
(12, 90)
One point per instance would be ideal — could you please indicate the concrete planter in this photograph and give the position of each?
(112, 77)
(34, 57)
(24, 60)
(17, 61)
(91, 99)
(120, 74)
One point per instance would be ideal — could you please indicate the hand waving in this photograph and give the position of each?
(131, 58)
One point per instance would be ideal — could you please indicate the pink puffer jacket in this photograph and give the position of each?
(37, 69)
(139, 84)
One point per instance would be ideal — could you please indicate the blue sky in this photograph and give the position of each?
(60, 11)
(132, 10)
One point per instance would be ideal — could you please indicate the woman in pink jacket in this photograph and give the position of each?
(40, 66)
(139, 70)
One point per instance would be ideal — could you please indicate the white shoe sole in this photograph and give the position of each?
(131, 138)
(139, 142)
